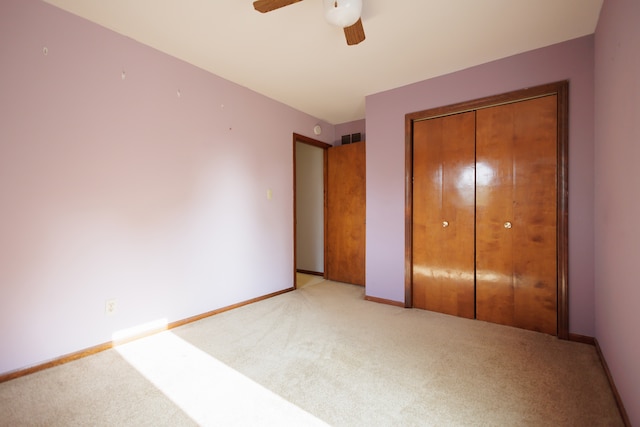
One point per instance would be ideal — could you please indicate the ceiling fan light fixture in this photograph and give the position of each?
(342, 13)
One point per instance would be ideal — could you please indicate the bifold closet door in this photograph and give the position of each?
(516, 155)
(443, 214)
(346, 213)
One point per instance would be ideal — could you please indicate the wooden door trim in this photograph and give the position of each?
(562, 215)
(561, 90)
(324, 146)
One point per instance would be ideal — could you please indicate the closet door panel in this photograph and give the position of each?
(495, 288)
(536, 208)
(516, 262)
(443, 214)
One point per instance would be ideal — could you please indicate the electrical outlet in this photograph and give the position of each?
(111, 307)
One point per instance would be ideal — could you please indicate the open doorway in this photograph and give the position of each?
(310, 179)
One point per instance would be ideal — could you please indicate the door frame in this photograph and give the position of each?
(561, 90)
(324, 146)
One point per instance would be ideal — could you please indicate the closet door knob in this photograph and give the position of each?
(445, 224)
(507, 225)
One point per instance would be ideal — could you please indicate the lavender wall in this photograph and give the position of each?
(572, 60)
(617, 205)
(120, 188)
(348, 128)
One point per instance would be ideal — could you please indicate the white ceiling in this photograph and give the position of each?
(292, 55)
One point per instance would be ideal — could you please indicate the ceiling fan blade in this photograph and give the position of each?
(354, 33)
(269, 5)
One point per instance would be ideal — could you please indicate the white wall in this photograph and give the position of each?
(309, 208)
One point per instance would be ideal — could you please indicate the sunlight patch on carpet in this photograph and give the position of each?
(207, 390)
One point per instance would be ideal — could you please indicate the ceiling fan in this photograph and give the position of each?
(342, 13)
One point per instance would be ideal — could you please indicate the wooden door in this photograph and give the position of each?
(443, 214)
(346, 208)
(516, 260)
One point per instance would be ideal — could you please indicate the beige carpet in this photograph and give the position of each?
(304, 280)
(322, 354)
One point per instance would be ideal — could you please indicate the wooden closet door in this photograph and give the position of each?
(443, 214)
(516, 272)
(346, 211)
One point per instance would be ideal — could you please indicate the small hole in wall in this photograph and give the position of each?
(179, 93)
(123, 75)
(45, 51)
